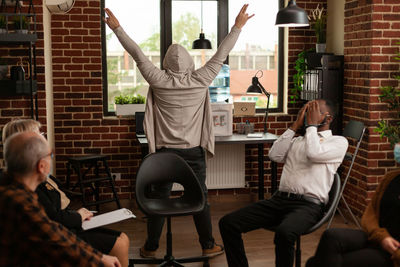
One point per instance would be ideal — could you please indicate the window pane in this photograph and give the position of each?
(138, 20)
(186, 27)
(256, 49)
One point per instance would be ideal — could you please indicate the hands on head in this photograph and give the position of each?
(314, 115)
(111, 20)
(242, 17)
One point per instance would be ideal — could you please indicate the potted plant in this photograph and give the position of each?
(391, 95)
(298, 78)
(3, 24)
(21, 24)
(129, 104)
(319, 26)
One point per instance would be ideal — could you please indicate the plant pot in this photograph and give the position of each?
(23, 31)
(129, 109)
(320, 48)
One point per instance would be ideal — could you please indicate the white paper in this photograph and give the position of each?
(108, 218)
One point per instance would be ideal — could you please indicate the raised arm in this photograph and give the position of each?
(150, 73)
(210, 70)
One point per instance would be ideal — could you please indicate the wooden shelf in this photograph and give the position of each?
(10, 38)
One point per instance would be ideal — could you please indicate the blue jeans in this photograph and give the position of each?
(195, 157)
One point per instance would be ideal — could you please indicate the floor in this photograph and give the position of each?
(259, 245)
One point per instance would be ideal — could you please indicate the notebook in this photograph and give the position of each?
(107, 218)
(139, 117)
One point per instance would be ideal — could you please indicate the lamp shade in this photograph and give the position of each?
(201, 43)
(254, 88)
(292, 16)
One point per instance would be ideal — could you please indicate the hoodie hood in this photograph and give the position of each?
(177, 59)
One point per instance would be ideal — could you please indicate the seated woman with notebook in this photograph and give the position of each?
(55, 203)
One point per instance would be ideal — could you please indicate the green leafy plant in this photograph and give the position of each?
(298, 78)
(3, 22)
(129, 99)
(21, 22)
(391, 95)
(319, 24)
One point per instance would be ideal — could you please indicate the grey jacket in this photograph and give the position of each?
(178, 112)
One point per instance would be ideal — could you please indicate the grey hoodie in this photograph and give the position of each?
(178, 112)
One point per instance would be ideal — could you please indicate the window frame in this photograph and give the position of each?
(166, 41)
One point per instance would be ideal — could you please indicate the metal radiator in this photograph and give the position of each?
(226, 169)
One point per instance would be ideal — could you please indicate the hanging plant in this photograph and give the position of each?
(298, 78)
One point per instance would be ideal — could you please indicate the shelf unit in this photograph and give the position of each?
(323, 78)
(9, 87)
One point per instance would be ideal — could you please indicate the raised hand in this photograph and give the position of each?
(242, 17)
(111, 20)
(300, 119)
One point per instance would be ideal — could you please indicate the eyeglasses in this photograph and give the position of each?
(51, 154)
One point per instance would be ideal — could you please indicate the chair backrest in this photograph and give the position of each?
(162, 168)
(354, 129)
(330, 207)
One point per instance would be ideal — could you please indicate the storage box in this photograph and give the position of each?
(222, 118)
(244, 108)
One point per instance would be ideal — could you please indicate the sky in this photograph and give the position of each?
(141, 18)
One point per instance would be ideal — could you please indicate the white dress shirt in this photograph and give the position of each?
(310, 161)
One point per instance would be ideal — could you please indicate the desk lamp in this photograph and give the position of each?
(292, 16)
(256, 88)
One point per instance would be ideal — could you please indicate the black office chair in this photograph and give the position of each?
(353, 130)
(329, 209)
(165, 167)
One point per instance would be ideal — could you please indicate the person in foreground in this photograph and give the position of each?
(28, 237)
(310, 162)
(55, 203)
(377, 244)
(178, 117)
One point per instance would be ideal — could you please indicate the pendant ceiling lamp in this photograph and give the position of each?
(292, 16)
(202, 42)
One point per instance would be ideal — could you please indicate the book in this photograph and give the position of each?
(107, 218)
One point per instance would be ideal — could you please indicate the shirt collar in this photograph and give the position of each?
(325, 134)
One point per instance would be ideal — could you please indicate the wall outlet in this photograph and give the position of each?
(116, 176)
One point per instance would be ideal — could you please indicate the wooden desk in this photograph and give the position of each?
(242, 139)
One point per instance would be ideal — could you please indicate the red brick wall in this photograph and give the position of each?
(20, 106)
(371, 30)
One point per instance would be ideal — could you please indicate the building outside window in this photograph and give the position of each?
(256, 49)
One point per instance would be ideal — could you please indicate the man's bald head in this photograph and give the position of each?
(22, 152)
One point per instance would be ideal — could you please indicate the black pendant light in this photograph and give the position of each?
(292, 16)
(202, 42)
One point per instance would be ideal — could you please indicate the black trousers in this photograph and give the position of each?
(348, 247)
(195, 157)
(289, 218)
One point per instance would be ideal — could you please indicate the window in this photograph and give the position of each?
(123, 76)
(259, 46)
(256, 49)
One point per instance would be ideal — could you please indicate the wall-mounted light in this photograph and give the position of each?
(292, 16)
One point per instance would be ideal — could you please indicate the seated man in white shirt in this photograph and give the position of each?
(310, 162)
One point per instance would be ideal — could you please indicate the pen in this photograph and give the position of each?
(93, 211)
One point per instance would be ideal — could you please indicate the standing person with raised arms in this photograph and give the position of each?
(178, 117)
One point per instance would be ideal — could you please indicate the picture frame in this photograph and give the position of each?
(222, 118)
